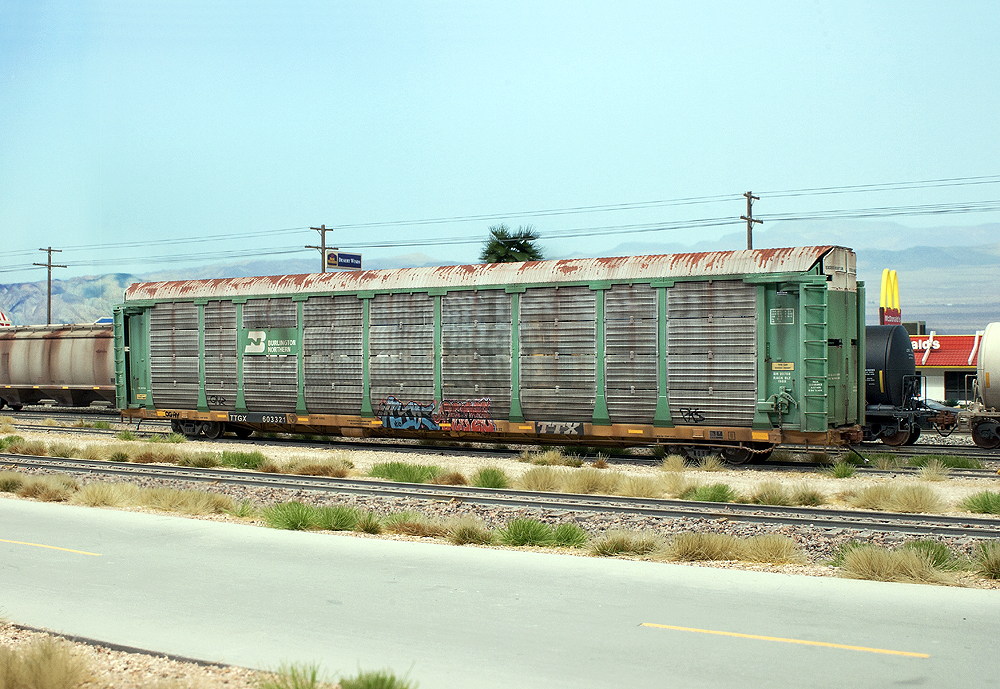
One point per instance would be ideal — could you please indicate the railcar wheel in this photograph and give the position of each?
(914, 434)
(241, 432)
(176, 427)
(896, 439)
(737, 455)
(984, 435)
(212, 430)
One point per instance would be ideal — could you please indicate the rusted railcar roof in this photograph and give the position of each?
(620, 269)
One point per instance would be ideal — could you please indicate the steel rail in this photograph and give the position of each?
(922, 524)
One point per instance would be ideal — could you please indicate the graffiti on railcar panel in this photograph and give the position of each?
(470, 415)
(691, 415)
(559, 428)
(412, 416)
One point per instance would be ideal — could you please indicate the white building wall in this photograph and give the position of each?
(934, 384)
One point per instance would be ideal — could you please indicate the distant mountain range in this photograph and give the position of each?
(947, 276)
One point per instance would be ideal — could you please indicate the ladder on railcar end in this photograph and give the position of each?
(815, 364)
(120, 369)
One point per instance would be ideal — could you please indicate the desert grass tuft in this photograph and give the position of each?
(201, 460)
(640, 487)
(469, 530)
(841, 470)
(589, 481)
(543, 479)
(118, 456)
(35, 448)
(987, 559)
(803, 494)
(907, 497)
(622, 542)
(63, 450)
(9, 440)
(491, 477)
(551, 457)
(676, 483)
(45, 664)
(414, 524)
(402, 472)
(525, 532)
(674, 463)
(772, 548)
(450, 478)
(599, 463)
(376, 679)
(716, 492)
(11, 481)
(884, 461)
(569, 535)
(984, 502)
(48, 488)
(334, 518)
(938, 554)
(934, 471)
(700, 546)
(242, 460)
(95, 452)
(296, 676)
(950, 461)
(186, 501)
(903, 565)
(103, 494)
(293, 516)
(7, 428)
(126, 435)
(771, 492)
(711, 463)
(244, 509)
(368, 522)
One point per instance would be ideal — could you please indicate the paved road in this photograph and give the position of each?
(474, 617)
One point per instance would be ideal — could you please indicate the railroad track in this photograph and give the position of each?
(914, 524)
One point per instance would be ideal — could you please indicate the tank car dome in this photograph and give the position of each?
(888, 358)
(988, 366)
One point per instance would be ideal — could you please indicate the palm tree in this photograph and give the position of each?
(504, 246)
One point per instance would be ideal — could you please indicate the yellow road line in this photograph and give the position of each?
(50, 547)
(788, 641)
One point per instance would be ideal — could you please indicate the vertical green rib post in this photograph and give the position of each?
(300, 404)
(662, 415)
(438, 398)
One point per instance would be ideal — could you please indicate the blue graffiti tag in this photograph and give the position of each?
(412, 416)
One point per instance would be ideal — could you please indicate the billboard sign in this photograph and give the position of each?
(341, 259)
(888, 310)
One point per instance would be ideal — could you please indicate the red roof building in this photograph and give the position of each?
(948, 363)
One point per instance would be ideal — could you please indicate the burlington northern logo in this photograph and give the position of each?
(255, 342)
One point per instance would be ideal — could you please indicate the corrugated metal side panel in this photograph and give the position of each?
(630, 318)
(270, 313)
(558, 353)
(712, 352)
(332, 347)
(270, 383)
(401, 348)
(475, 342)
(220, 355)
(173, 344)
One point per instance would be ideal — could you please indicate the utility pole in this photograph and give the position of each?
(48, 264)
(322, 229)
(749, 217)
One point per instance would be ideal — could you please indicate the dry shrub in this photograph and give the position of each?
(330, 470)
(48, 488)
(414, 524)
(676, 484)
(541, 479)
(673, 463)
(107, 495)
(803, 494)
(64, 450)
(881, 564)
(94, 452)
(621, 542)
(466, 530)
(270, 467)
(588, 481)
(552, 457)
(694, 546)
(906, 497)
(11, 481)
(148, 457)
(934, 470)
(599, 463)
(450, 478)
(711, 463)
(34, 448)
(45, 664)
(778, 550)
(640, 487)
(771, 492)
(7, 428)
(185, 501)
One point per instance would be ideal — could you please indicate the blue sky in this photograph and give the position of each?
(201, 131)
